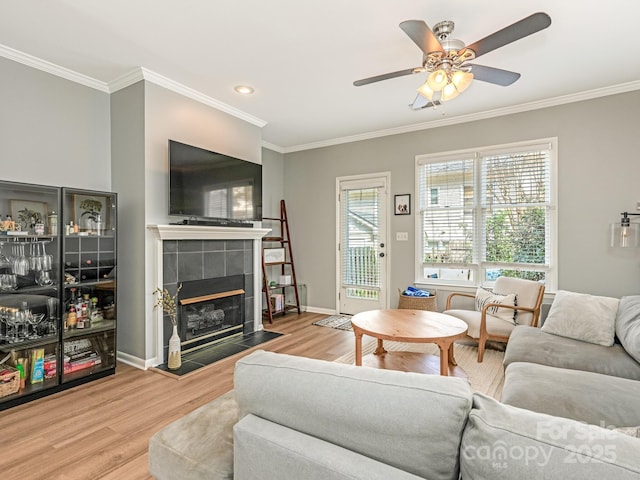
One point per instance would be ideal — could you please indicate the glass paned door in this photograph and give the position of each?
(362, 245)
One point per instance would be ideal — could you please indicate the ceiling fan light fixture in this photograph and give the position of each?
(461, 80)
(449, 92)
(437, 80)
(426, 91)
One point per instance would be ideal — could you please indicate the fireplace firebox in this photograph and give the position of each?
(209, 310)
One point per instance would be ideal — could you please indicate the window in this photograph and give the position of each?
(434, 195)
(494, 215)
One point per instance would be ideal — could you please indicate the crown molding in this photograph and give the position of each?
(274, 147)
(524, 107)
(142, 73)
(124, 81)
(48, 67)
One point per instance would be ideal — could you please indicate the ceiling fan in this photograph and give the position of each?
(446, 59)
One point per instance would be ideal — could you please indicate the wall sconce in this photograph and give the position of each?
(625, 234)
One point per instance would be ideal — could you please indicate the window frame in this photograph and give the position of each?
(478, 266)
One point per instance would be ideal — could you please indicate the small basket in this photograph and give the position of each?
(9, 382)
(417, 303)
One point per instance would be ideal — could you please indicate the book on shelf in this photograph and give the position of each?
(88, 361)
(277, 302)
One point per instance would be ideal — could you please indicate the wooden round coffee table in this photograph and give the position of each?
(412, 326)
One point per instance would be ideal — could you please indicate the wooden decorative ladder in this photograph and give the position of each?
(277, 252)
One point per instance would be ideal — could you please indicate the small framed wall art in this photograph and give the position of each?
(273, 255)
(402, 204)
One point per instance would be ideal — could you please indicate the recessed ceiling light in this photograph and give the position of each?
(244, 89)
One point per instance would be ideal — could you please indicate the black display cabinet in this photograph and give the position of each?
(57, 289)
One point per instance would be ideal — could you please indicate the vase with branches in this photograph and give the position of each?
(91, 209)
(29, 218)
(169, 305)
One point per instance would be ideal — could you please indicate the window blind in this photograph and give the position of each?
(360, 219)
(488, 212)
(515, 208)
(448, 217)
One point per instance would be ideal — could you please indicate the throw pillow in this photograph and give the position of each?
(507, 314)
(584, 317)
(628, 325)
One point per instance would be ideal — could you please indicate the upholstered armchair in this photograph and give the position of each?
(513, 301)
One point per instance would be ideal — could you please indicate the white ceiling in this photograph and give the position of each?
(303, 56)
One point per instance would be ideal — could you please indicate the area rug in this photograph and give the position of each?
(486, 377)
(341, 322)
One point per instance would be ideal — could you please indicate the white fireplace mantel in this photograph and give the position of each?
(201, 232)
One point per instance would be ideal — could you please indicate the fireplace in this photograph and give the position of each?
(210, 310)
(186, 253)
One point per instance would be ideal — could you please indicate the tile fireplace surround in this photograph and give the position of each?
(172, 233)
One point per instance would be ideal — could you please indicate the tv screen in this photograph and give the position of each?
(210, 185)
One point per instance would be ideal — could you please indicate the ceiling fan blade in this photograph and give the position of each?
(422, 102)
(386, 76)
(493, 75)
(531, 24)
(421, 34)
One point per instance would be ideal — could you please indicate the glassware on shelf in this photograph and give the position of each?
(8, 282)
(12, 325)
(43, 278)
(20, 264)
(3, 324)
(5, 263)
(52, 315)
(34, 320)
(46, 259)
(35, 264)
(23, 321)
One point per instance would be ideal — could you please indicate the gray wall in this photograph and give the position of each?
(598, 171)
(127, 165)
(52, 131)
(272, 181)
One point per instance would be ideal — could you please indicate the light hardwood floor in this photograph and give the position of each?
(101, 430)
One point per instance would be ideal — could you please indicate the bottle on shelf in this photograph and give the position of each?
(95, 313)
(53, 223)
(79, 311)
(86, 310)
(72, 320)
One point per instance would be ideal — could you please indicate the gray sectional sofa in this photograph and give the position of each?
(298, 418)
(575, 379)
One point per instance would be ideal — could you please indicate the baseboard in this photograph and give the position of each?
(136, 361)
(324, 311)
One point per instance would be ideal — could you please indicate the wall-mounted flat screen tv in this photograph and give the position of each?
(209, 185)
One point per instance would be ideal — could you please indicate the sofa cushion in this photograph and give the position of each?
(582, 317)
(264, 450)
(529, 344)
(628, 325)
(483, 297)
(501, 441)
(495, 326)
(588, 397)
(408, 420)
